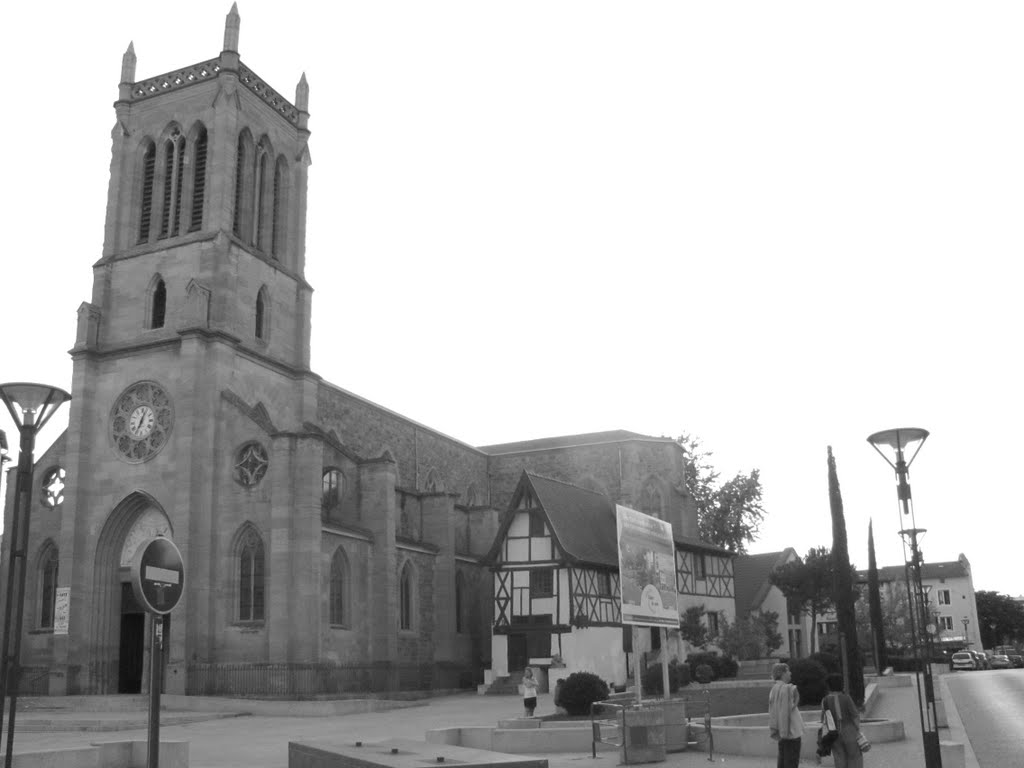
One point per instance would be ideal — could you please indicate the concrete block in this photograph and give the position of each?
(953, 754)
(82, 757)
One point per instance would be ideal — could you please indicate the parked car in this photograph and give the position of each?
(964, 660)
(1000, 661)
(981, 660)
(1017, 661)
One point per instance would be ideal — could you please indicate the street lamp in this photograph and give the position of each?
(31, 406)
(896, 443)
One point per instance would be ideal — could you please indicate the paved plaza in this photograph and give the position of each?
(262, 741)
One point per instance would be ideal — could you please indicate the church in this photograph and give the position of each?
(330, 545)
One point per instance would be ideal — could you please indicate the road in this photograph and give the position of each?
(990, 703)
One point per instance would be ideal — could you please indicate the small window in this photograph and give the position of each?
(604, 584)
(339, 585)
(158, 304)
(536, 524)
(700, 566)
(713, 624)
(945, 622)
(48, 583)
(944, 597)
(333, 486)
(53, 487)
(405, 599)
(542, 583)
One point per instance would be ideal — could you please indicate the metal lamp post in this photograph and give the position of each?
(897, 442)
(31, 406)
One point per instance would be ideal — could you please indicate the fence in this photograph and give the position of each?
(312, 680)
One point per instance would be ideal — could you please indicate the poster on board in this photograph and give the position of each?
(61, 610)
(647, 569)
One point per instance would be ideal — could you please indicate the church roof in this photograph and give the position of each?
(751, 574)
(565, 441)
(582, 522)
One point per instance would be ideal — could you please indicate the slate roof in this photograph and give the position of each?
(750, 574)
(929, 571)
(563, 441)
(582, 522)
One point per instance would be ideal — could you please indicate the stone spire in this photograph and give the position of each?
(128, 64)
(302, 94)
(231, 26)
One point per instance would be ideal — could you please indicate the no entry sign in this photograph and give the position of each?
(158, 576)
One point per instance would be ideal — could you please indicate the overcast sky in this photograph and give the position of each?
(777, 226)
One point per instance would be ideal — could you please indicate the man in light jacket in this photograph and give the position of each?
(785, 722)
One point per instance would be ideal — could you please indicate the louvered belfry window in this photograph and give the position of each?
(198, 182)
(239, 185)
(146, 207)
(174, 162)
(277, 225)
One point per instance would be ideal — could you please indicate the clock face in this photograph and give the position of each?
(141, 421)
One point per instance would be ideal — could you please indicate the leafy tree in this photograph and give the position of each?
(895, 609)
(1002, 612)
(729, 514)
(692, 629)
(808, 585)
(753, 636)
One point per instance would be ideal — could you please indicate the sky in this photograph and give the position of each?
(776, 226)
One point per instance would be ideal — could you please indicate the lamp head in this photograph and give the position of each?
(31, 405)
(896, 442)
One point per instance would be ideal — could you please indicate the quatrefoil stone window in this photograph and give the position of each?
(53, 487)
(251, 464)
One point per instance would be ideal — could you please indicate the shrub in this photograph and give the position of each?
(704, 673)
(678, 677)
(721, 666)
(828, 660)
(580, 690)
(809, 678)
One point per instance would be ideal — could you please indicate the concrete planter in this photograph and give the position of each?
(644, 738)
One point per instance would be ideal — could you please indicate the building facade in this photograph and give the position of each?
(329, 544)
(755, 592)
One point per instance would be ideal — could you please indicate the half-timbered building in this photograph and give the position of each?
(556, 585)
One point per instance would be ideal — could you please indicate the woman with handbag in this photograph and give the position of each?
(849, 745)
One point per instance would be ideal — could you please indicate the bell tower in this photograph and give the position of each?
(205, 221)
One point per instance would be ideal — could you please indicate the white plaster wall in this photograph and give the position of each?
(499, 655)
(594, 649)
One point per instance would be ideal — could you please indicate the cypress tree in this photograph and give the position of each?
(844, 596)
(875, 604)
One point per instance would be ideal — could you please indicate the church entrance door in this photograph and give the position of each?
(132, 645)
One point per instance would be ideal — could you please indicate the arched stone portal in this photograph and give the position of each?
(117, 633)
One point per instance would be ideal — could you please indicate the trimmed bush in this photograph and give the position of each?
(678, 677)
(829, 661)
(704, 673)
(580, 690)
(809, 678)
(721, 666)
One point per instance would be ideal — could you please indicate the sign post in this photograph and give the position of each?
(158, 578)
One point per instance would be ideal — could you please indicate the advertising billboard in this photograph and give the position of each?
(647, 569)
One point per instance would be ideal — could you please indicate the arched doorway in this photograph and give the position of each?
(118, 631)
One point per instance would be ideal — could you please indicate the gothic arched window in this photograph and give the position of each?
(198, 180)
(333, 487)
(339, 587)
(262, 307)
(406, 598)
(157, 303)
(241, 224)
(251, 575)
(277, 224)
(48, 567)
(146, 195)
(650, 501)
(173, 172)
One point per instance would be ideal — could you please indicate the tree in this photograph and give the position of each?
(807, 584)
(844, 595)
(729, 514)
(875, 606)
(1002, 612)
(753, 636)
(692, 629)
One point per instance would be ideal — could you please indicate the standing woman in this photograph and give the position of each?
(529, 692)
(845, 749)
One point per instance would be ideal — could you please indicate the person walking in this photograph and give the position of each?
(529, 692)
(845, 749)
(785, 723)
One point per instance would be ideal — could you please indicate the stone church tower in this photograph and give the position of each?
(330, 545)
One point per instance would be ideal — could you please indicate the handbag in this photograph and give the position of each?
(863, 743)
(827, 731)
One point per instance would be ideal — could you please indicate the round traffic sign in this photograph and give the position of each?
(158, 576)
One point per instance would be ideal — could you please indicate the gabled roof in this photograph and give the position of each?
(751, 573)
(564, 441)
(929, 571)
(582, 522)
